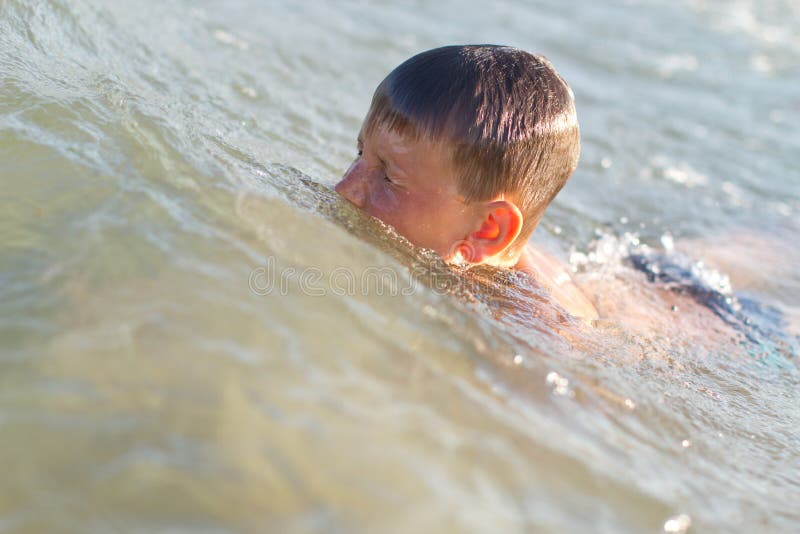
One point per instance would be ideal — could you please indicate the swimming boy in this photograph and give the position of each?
(462, 150)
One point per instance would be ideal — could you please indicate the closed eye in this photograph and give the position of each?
(385, 176)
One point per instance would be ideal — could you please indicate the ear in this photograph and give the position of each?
(499, 228)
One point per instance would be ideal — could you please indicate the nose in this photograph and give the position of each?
(353, 186)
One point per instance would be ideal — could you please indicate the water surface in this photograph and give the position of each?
(157, 158)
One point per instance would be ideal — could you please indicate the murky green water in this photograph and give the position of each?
(197, 335)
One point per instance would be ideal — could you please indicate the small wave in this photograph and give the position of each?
(769, 23)
(672, 270)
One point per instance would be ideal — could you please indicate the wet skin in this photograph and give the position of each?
(411, 185)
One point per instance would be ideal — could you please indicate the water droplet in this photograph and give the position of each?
(606, 163)
(679, 523)
(674, 308)
(629, 404)
(686, 444)
(517, 359)
(559, 383)
(667, 242)
(761, 64)
(229, 39)
(248, 91)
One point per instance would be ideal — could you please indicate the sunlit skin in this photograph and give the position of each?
(411, 185)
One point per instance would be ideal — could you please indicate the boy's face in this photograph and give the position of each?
(411, 185)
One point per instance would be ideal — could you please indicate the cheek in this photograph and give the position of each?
(406, 212)
(416, 219)
(384, 203)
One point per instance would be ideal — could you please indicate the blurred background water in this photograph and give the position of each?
(157, 159)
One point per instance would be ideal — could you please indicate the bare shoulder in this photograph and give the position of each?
(555, 277)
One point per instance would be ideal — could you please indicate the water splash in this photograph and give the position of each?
(664, 265)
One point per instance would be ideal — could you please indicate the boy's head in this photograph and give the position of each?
(464, 147)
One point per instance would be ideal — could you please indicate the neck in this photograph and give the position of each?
(511, 261)
(555, 277)
(523, 261)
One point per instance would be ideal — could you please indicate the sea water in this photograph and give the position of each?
(198, 335)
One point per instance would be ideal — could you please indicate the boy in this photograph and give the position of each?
(462, 150)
